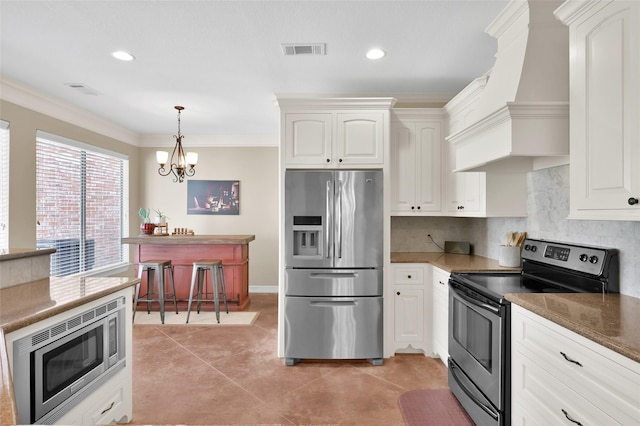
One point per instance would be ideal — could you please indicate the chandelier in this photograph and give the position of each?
(184, 165)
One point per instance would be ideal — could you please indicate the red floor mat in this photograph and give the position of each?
(425, 407)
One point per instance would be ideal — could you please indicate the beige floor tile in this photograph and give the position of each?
(231, 375)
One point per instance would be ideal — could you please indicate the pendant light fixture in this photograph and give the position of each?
(184, 165)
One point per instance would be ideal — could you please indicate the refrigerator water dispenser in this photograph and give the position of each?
(307, 236)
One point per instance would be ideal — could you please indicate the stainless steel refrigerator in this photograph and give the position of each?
(334, 260)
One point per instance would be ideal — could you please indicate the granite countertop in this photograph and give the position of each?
(26, 304)
(189, 239)
(19, 253)
(451, 262)
(610, 320)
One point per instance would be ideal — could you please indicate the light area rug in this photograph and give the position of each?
(202, 318)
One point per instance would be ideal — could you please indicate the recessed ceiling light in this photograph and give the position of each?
(375, 53)
(123, 56)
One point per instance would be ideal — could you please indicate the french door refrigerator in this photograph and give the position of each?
(333, 265)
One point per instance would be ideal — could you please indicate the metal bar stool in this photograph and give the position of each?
(200, 268)
(151, 267)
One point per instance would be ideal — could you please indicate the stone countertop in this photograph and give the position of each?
(610, 320)
(189, 239)
(22, 253)
(26, 304)
(451, 262)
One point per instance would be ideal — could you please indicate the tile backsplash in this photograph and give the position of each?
(548, 208)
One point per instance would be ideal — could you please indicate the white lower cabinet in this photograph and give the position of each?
(560, 377)
(440, 313)
(111, 407)
(411, 323)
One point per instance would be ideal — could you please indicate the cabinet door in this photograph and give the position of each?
(308, 139)
(464, 190)
(409, 314)
(428, 140)
(605, 129)
(409, 301)
(416, 166)
(360, 138)
(403, 167)
(440, 311)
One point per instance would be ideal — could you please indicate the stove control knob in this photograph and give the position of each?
(593, 259)
(534, 248)
(584, 257)
(527, 247)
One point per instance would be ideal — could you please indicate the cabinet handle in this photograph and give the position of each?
(440, 282)
(340, 160)
(398, 293)
(412, 207)
(569, 359)
(418, 207)
(569, 417)
(328, 160)
(632, 201)
(408, 276)
(108, 408)
(460, 207)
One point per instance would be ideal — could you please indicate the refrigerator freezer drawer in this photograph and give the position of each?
(333, 282)
(333, 328)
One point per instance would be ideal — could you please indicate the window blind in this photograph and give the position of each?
(80, 200)
(4, 185)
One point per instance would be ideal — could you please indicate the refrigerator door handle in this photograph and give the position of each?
(332, 303)
(332, 275)
(338, 222)
(329, 215)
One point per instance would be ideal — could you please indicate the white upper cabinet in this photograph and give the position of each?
(307, 138)
(360, 138)
(605, 108)
(416, 143)
(334, 133)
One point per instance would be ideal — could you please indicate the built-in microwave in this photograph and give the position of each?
(57, 367)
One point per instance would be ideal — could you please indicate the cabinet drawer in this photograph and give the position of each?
(549, 400)
(109, 410)
(604, 378)
(441, 279)
(408, 275)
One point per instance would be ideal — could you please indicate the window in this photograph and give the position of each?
(81, 204)
(4, 185)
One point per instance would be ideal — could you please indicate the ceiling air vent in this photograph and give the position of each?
(86, 90)
(304, 49)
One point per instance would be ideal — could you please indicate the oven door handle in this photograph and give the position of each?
(456, 376)
(476, 302)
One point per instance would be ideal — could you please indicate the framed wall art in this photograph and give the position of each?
(216, 197)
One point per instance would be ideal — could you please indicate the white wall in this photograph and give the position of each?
(257, 170)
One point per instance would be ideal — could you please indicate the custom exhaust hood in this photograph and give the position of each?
(520, 122)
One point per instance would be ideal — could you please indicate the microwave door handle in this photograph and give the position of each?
(486, 408)
(477, 303)
(329, 220)
(338, 223)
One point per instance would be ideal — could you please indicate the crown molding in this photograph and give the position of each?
(190, 141)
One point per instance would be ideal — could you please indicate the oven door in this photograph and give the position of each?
(477, 337)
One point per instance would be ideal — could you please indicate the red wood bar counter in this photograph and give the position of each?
(183, 250)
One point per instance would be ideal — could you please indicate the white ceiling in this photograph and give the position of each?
(223, 60)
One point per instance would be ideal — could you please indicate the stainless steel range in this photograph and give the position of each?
(479, 318)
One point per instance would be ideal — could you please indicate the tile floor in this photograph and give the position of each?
(231, 375)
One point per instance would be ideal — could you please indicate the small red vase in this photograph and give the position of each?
(147, 228)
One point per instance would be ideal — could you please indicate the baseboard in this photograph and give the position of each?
(263, 289)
